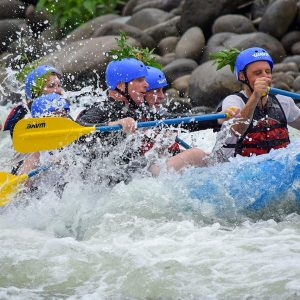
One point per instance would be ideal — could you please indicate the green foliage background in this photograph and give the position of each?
(69, 14)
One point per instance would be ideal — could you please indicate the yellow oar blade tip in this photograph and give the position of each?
(9, 185)
(4, 201)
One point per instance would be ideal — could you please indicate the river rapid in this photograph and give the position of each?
(141, 240)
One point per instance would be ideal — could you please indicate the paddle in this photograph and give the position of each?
(182, 143)
(9, 183)
(275, 91)
(31, 135)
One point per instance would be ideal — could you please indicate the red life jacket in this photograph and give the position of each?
(174, 149)
(148, 144)
(267, 130)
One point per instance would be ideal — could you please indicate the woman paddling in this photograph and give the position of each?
(40, 81)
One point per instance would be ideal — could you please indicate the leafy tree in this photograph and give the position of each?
(69, 14)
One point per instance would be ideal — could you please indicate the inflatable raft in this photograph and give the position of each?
(246, 184)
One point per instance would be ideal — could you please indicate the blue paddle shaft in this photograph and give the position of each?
(38, 170)
(182, 143)
(275, 91)
(165, 122)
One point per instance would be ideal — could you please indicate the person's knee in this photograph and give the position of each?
(195, 154)
(196, 151)
(191, 157)
(195, 157)
(154, 170)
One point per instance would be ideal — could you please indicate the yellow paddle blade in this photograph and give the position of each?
(9, 186)
(31, 135)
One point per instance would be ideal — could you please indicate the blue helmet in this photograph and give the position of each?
(155, 78)
(35, 74)
(249, 56)
(124, 70)
(46, 104)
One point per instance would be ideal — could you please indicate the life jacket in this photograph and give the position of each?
(80, 115)
(267, 130)
(148, 144)
(149, 141)
(174, 149)
(16, 114)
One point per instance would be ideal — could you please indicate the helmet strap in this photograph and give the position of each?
(127, 96)
(246, 81)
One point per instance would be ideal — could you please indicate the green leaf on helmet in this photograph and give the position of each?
(128, 51)
(225, 57)
(21, 75)
(39, 84)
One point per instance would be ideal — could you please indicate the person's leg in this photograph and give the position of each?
(191, 157)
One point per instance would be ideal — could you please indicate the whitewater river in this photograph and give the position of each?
(143, 240)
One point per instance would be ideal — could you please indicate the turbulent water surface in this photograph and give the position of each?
(143, 240)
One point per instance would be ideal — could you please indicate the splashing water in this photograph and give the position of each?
(148, 239)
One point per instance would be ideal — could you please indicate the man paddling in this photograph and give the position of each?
(127, 87)
(154, 99)
(263, 121)
(124, 106)
(264, 117)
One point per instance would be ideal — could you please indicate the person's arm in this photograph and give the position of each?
(31, 162)
(260, 87)
(232, 111)
(246, 116)
(296, 123)
(292, 113)
(95, 116)
(128, 124)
